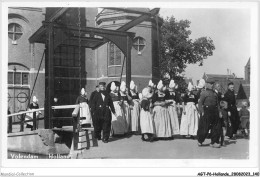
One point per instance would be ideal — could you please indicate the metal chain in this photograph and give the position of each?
(79, 25)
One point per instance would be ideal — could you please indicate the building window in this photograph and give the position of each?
(139, 44)
(14, 31)
(18, 78)
(114, 55)
(114, 60)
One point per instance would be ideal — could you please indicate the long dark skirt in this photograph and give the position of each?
(234, 119)
(210, 121)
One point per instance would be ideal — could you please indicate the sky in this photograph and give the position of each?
(230, 31)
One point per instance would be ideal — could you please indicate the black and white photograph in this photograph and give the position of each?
(119, 85)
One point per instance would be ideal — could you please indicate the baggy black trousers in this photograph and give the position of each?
(234, 119)
(102, 122)
(209, 121)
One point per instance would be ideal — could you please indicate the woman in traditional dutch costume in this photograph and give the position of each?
(125, 98)
(118, 122)
(85, 116)
(29, 116)
(173, 108)
(190, 116)
(161, 114)
(146, 120)
(135, 108)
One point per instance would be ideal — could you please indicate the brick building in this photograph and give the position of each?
(24, 58)
(76, 67)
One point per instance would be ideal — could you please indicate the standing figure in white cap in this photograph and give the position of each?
(118, 120)
(125, 98)
(173, 97)
(29, 116)
(161, 114)
(85, 116)
(146, 120)
(190, 115)
(135, 108)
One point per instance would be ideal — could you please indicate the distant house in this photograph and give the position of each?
(187, 80)
(223, 80)
(243, 94)
(247, 72)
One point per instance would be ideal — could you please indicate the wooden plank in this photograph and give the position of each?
(34, 121)
(65, 106)
(50, 89)
(10, 122)
(22, 123)
(128, 62)
(24, 112)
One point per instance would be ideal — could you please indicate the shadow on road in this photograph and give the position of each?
(119, 137)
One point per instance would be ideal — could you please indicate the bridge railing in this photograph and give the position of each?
(74, 116)
(34, 118)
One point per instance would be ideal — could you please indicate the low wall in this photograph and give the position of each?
(41, 141)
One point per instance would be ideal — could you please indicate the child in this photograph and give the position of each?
(244, 118)
(146, 121)
(225, 121)
(85, 116)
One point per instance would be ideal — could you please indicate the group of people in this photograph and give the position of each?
(154, 113)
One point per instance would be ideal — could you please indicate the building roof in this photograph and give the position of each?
(224, 76)
(224, 79)
(248, 62)
(187, 80)
(246, 88)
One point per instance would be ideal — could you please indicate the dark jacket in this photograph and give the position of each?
(230, 98)
(92, 96)
(101, 108)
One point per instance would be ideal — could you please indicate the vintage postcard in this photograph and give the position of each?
(133, 88)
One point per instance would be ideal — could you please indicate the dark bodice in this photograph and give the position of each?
(190, 98)
(81, 99)
(34, 106)
(134, 96)
(172, 96)
(157, 97)
(114, 97)
(145, 104)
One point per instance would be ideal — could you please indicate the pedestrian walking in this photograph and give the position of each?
(102, 106)
(232, 110)
(208, 106)
(225, 121)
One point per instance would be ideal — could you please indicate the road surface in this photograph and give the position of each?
(134, 148)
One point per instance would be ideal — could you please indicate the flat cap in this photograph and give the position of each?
(102, 83)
